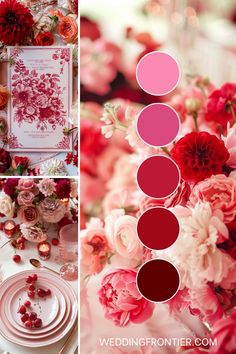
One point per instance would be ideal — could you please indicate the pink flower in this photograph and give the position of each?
(47, 186)
(230, 144)
(221, 104)
(25, 198)
(206, 302)
(224, 331)
(51, 210)
(100, 61)
(27, 184)
(179, 197)
(220, 192)
(33, 233)
(95, 250)
(93, 189)
(28, 215)
(122, 232)
(121, 299)
(41, 101)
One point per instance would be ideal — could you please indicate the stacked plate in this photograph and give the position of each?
(57, 311)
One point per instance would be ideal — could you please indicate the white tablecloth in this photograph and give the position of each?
(8, 268)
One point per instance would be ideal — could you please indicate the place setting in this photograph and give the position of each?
(38, 268)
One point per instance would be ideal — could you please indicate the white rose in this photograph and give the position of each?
(6, 205)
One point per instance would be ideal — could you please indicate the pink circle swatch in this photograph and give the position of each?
(158, 228)
(157, 73)
(158, 176)
(158, 124)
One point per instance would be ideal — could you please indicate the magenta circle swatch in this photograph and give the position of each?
(158, 176)
(158, 228)
(158, 124)
(157, 73)
(158, 280)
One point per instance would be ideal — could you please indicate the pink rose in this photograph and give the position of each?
(41, 101)
(230, 143)
(33, 233)
(122, 231)
(220, 192)
(95, 250)
(51, 210)
(27, 184)
(121, 299)
(25, 198)
(224, 331)
(28, 215)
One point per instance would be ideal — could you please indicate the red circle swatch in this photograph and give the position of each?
(158, 280)
(158, 228)
(158, 176)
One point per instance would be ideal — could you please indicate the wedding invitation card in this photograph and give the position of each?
(40, 82)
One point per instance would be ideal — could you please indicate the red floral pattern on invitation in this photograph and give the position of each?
(13, 142)
(65, 143)
(37, 97)
(63, 55)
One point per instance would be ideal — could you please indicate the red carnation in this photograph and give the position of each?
(221, 104)
(44, 39)
(63, 188)
(10, 186)
(5, 160)
(16, 22)
(199, 155)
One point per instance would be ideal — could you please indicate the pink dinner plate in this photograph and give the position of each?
(36, 333)
(65, 288)
(60, 316)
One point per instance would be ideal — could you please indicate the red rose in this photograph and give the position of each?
(5, 160)
(16, 22)
(44, 39)
(199, 155)
(89, 29)
(20, 164)
(221, 104)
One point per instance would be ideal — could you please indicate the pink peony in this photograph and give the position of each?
(122, 232)
(100, 61)
(51, 210)
(47, 186)
(28, 215)
(224, 331)
(121, 299)
(220, 192)
(95, 250)
(27, 184)
(205, 301)
(25, 198)
(33, 233)
(230, 144)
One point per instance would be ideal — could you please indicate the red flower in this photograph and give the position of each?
(20, 164)
(10, 186)
(199, 155)
(44, 39)
(16, 22)
(63, 188)
(221, 104)
(5, 160)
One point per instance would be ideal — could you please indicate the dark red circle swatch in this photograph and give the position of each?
(158, 280)
(158, 176)
(158, 228)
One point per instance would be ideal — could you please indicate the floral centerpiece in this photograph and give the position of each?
(37, 204)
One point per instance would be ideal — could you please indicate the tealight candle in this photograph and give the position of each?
(65, 201)
(9, 228)
(44, 249)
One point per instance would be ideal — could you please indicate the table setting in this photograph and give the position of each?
(38, 268)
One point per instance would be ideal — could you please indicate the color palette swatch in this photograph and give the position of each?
(158, 124)
(158, 280)
(157, 73)
(158, 228)
(158, 176)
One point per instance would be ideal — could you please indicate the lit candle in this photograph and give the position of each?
(65, 201)
(9, 228)
(44, 249)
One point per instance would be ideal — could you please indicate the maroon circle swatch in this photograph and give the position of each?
(158, 124)
(158, 228)
(158, 176)
(158, 280)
